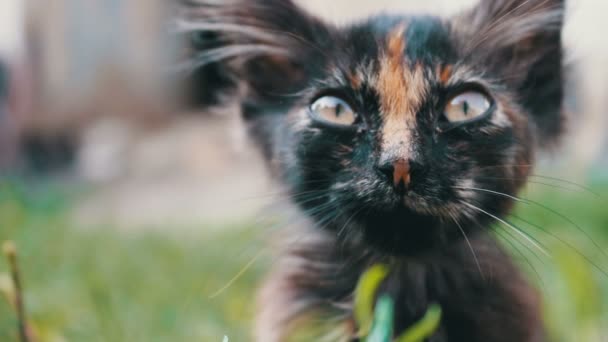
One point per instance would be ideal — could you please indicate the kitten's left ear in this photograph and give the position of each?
(520, 42)
(249, 51)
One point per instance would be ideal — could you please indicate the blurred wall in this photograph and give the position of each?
(11, 57)
(587, 145)
(94, 58)
(11, 28)
(341, 11)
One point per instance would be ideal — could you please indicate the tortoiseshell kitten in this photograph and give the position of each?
(402, 138)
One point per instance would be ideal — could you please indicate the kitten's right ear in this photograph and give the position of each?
(251, 51)
(520, 43)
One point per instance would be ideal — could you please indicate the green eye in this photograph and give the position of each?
(466, 106)
(333, 110)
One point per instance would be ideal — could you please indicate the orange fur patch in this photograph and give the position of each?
(392, 85)
(354, 80)
(445, 73)
(400, 90)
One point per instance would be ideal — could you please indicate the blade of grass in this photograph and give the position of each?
(365, 295)
(424, 328)
(10, 252)
(382, 329)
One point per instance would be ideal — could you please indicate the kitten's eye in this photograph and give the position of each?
(466, 106)
(332, 110)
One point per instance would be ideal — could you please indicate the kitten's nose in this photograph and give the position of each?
(398, 172)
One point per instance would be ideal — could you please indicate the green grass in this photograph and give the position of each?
(100, 284)
(104, 285)
(576, 235)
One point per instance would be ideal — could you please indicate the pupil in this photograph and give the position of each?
(339, 110)
(465, 107)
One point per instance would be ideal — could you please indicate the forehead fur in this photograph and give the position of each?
(386, 52)
(406, 48)
(410, 46)
(400, 89)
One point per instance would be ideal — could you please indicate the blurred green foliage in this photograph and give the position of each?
(107, 285)
(102, 284)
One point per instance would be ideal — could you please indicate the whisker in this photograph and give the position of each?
(237, 276)
(491, 192)
(466, 238)
(522, 255)
(586, 188)
(503, 166)
(561, 180)
(563, 241)
(551, 210)
(320, 223)
(285, 193)
(341, 230)
(511, 226)
(555, 186)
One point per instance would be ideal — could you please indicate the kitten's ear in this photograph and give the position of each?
(519, 41)
(252, 51)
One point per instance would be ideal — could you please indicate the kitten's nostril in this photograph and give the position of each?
(397, 172)
(387, 170)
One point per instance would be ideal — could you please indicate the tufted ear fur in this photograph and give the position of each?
(252, 51)
(519, 42)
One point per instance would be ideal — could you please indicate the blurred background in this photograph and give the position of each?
(130, 213)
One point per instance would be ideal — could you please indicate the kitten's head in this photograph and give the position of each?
(393, 129)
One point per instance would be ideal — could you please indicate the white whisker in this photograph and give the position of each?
(515, 229)
(553, 211)
(466, 238)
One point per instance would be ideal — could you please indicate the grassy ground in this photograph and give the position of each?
(107, 285)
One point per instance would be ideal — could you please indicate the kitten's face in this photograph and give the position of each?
(400, 138)
(405, 131)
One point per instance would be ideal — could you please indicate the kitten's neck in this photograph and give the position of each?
(465, 278)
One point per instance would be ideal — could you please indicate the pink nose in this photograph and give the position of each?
(401, 172)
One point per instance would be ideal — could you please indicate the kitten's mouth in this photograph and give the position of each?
(402, 230)
(422, 206)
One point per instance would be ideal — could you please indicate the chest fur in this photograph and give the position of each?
(483, 296)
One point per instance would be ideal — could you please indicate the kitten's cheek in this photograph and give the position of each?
(501, 120)
(300, 121)
(464, 190)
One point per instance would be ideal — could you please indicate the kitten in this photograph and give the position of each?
(402, 138)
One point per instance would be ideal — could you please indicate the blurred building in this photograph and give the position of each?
(11, 53)
(7, 143)
(587, 46)
(83, 62)
(102, 52)
(11, 28)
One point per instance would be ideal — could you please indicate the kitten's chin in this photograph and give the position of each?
(426, 207)
(402, 231)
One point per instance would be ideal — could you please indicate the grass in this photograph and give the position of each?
(105, 285)
(85, 284)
